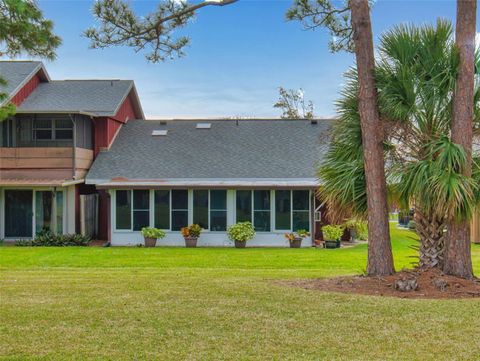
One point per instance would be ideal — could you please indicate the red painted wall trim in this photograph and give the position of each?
(106, 128)
(125, 112)
(27, 89)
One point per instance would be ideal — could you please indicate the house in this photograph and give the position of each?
(168, 174)
(72, 139)
(47, 148)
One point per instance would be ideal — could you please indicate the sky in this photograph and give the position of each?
(238, 57)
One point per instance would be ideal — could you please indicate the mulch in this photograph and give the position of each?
(432, 284)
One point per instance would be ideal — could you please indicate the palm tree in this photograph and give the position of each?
(415, 76)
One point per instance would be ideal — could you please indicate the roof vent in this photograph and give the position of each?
(314, 121)
(163, 122)
(204, 125)
(161, 132)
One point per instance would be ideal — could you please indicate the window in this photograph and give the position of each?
(43, 129)
(210, 209)
(200, 208)
(141, 209)
(283, 209)
(261, 210)
(123, 210)
(244, 206)
(162, 209)
(57, 129)
(301, 210)
(218, 210)
(179, 209)
(63, 129)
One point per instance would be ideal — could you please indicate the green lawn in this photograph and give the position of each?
(211, 304)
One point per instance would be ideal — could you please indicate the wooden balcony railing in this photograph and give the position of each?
(45, 163)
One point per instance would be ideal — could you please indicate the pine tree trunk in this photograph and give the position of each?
(458, 259)
(431, 231)
(380, 259)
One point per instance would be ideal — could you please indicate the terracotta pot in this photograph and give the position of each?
(296, 243)
(240, 244)
(150, 242)
(190, 242)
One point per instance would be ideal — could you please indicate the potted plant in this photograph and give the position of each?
(240, 233)
(295, 238)
(190, 234)
(151, 235)
(331, 235)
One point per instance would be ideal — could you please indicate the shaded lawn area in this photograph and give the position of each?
(197, 304)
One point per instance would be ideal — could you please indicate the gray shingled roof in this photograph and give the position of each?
(253, 149)
(17, 73)
(95, 97)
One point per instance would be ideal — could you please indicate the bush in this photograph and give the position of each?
(192, 230)
(149, 232)
(46, 238)
(241, 232)
(332, 233)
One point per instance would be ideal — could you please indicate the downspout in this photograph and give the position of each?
(74, 147)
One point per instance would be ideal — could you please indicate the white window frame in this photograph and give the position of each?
(123, 230)
(272, 214)
(275, 211)
(189, 206)
(217, 210)
(150, 210)
(140, 209)
(152, 203)
(309, 211)
(235, 205)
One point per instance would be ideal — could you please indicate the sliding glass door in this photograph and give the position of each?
(18, 213)
(23, 207)
(49, 211)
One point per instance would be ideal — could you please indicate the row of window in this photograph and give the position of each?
(53, 129)
(171, 211)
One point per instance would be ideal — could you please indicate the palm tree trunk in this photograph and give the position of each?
(431, 231)
(380, 259)
(458, 259)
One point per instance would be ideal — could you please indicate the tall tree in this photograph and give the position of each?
(415, 77)
(458, 259)
(293, 105)
(380, 259)
(24, 30)
(118, 25)
(352, 30)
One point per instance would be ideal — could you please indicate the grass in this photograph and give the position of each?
(212, 304)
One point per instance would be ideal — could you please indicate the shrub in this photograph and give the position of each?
(150, 232)
(332, 233)
(412, 225)
(241, 232)
(46, 238)
(359, 228)
(192, 230)
(301, 233)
